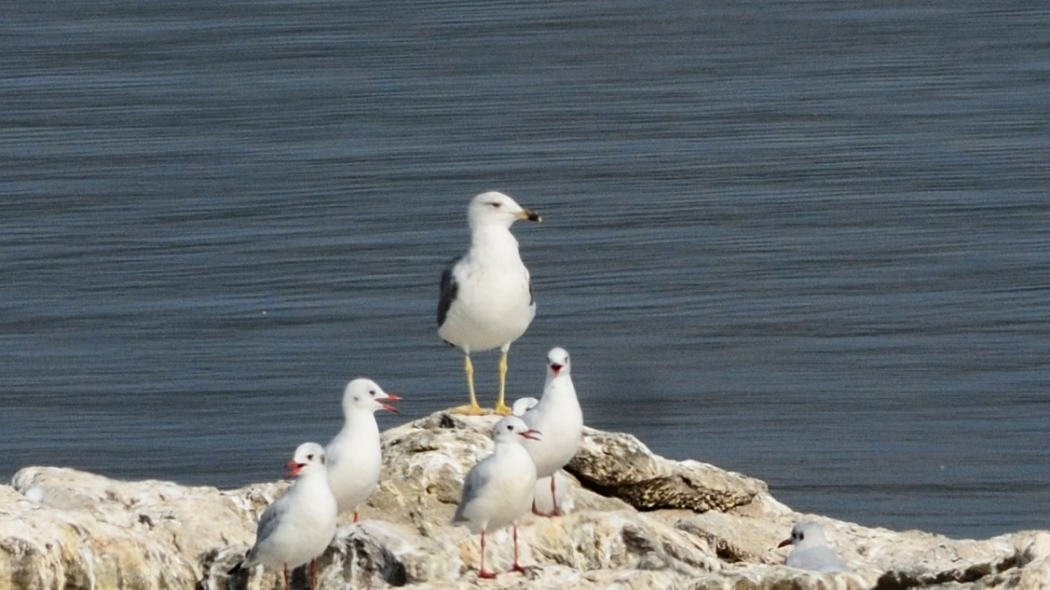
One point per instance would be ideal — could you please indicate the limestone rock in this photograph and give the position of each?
(63, 528)
(699, 528)
(620, 465)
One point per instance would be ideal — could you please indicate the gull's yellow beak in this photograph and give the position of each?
(526, 214)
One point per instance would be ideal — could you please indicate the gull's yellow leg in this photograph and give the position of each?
(473, 409)
(501, 407)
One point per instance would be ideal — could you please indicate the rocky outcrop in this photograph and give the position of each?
(619, 465)
(635, 520)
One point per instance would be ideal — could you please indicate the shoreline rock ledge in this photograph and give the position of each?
(635, 521)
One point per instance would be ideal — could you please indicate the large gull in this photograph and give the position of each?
(486, 294)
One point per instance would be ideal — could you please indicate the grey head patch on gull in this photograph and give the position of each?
(811, 550)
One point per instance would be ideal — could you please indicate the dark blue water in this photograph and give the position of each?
(806, 241)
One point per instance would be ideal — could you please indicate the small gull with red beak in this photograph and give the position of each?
(559, 416)
(354, 455)
(498, 489)
(811, 551)
(298, 526)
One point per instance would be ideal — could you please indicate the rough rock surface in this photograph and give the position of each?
(619, 465)
(635, 521)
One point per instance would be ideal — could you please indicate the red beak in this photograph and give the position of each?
(784, 543)
(294, 468)
(532, 434)
(388, 406)
(556, 367)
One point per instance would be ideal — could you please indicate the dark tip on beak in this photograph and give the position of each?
(784, 543)
(534, 217)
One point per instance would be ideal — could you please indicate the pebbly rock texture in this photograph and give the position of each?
(61, 528)
(619, 465)
(635, 521)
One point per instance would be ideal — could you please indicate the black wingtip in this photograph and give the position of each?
(449, 290)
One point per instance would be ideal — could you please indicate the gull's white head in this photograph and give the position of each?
(493, 208)
(807, 533)
(366, 395)
(513, 429)
(309, 458)
(557, 363)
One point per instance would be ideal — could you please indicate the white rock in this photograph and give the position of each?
(86, 531)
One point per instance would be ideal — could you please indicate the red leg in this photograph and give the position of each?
(313, 574)
(355, 516)
(287, 580)
(516, 567)
(481, 572)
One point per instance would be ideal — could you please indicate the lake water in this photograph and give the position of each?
(808, 241)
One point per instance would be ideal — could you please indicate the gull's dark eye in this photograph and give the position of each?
(801, 536)
(494, 204)
(510, 427)
(309, 457)
(372, 393)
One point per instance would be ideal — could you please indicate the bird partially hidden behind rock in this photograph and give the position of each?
(298, 526)
(811, 551)
(498, 489)
(486, 294)
(354, 457)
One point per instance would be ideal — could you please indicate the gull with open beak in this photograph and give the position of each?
(298, 526)
(558, 415)
(354, 455)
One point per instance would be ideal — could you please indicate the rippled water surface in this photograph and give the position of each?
(806, 241)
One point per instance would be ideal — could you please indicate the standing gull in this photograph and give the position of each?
(559, 416)
(486, 294)
(498, 489)
(811, 551)
(299, 526)
(354, 457)
(543, 503)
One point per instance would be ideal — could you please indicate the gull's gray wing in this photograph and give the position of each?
(475, 481)
(268, 523)
(818, 559)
